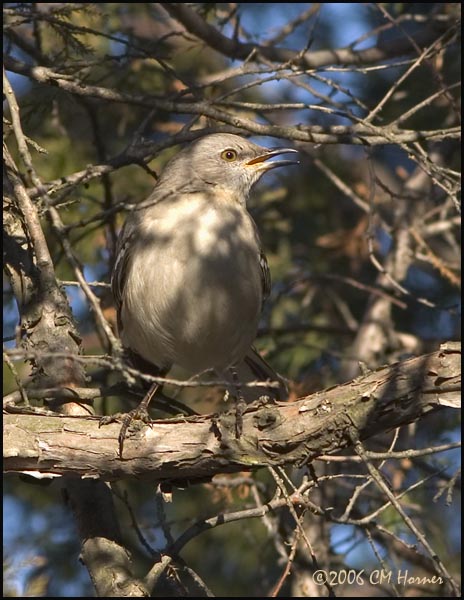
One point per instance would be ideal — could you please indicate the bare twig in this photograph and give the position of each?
(379, 480)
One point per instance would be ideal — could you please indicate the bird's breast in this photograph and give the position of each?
(196, 275)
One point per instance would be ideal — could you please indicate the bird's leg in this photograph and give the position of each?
(240, 404)
(140, 413)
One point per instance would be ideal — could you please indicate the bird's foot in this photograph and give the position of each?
(240, 406)
(140, 414)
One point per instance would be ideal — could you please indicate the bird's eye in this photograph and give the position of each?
(229, 155)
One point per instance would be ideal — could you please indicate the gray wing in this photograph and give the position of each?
(121, 267)
(265, 276)
(264, 267)
(124, 248)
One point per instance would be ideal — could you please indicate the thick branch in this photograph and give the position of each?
(232, 48)
(47, 321)
(198, 447)
(359, 134)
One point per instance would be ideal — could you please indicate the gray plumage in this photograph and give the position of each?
(190, 276)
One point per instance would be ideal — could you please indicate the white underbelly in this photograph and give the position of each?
(195, 290)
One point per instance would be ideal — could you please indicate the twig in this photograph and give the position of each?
(291, 557)
(377, 477)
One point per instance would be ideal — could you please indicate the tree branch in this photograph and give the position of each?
(232, 48)
(47, 321)
(336, 134)
(198, 447)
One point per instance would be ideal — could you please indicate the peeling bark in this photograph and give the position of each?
(192, 448)
(47, 324)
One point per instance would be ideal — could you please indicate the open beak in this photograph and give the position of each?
(262, 163)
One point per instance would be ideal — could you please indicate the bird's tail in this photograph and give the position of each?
(261, 370)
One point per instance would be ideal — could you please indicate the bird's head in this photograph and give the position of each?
(224, 161)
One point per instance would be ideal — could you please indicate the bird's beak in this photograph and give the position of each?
(263, 165)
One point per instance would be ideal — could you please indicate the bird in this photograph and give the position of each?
(190, 276)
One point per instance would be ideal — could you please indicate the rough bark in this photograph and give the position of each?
(192, 448)
(47, 324)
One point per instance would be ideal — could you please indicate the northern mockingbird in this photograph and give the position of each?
(190, 277)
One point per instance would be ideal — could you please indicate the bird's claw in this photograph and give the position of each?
(139, 414)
